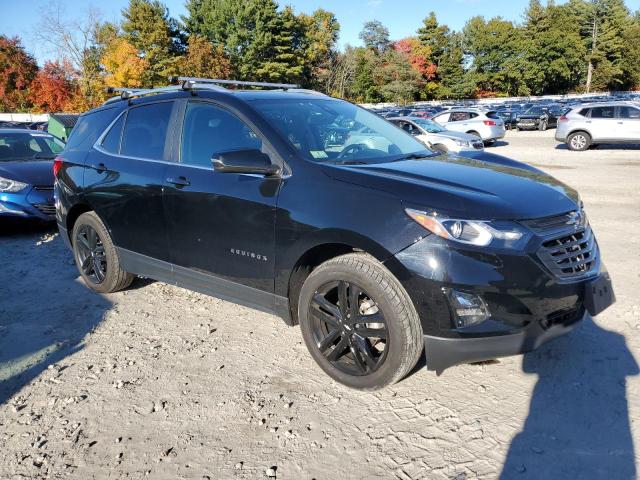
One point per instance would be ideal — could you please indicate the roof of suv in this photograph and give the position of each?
(612, 103)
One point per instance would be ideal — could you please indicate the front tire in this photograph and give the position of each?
(359, 323)
(96, 257)
(579, 141)
(543, 126)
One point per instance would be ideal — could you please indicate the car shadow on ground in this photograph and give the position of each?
(578, 424)
(45, 310)
(603, 146)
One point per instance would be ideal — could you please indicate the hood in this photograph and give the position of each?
(478, 186)
(33, 172)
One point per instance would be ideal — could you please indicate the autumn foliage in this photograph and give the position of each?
(53, 87)
(17, 70)
(124, 65)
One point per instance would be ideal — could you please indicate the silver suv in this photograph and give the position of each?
(588, 124)
(486, 125)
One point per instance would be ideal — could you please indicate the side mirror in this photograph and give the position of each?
(244, 161)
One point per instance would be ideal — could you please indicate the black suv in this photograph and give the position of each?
(377, 247)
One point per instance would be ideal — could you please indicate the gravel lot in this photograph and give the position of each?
(159, 382)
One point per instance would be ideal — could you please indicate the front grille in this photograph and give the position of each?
(563, 317)
(570, 255)
(46, 208)
(547, 225)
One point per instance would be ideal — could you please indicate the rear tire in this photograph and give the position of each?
(96, 256)
(579, 141)
(371, 339)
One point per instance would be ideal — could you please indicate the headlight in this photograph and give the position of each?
(500, 234)
(462, 143)
(11, 186)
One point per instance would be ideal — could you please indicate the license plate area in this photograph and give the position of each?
(598, 295)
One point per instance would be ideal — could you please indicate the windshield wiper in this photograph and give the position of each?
(413, 156)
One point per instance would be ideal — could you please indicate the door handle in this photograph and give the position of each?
(179, 181)
(100, 168)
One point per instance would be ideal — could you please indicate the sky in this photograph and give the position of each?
(401, 17)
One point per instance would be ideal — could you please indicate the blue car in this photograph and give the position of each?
(26, 174)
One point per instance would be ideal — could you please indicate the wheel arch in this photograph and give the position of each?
(73, 214)
(318, 253)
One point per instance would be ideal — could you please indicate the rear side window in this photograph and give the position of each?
(89, 127)
(209, 130)
(584, 112)
(145, 131)
(493, 115)
(603, 112)
(629, 112)
(111, 142)
(459, 116)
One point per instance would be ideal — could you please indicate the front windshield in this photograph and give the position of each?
(429, 125)
(328, 130)
(27, 145)
(534, 111)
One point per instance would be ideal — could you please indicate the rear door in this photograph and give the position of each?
(221, 225)
(124, 175)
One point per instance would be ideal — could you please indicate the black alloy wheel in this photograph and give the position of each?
(349, 328)
(92, 259)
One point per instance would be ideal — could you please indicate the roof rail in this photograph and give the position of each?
(192, 83)
(197, 81)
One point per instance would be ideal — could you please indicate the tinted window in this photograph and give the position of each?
(89, 127)
(209, 129)
(145, 131)
(629, 112)
(603, 112)
(111, 142)
(459, 116)
(493, 115)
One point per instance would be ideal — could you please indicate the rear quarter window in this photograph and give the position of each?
(493, 115)
(89, 127)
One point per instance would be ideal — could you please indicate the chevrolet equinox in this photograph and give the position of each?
(318, 211)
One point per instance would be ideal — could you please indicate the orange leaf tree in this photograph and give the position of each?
(53, 87)
(17, 70)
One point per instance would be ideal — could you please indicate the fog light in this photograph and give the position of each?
(468, 309)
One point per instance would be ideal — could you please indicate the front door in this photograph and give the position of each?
(220, 225)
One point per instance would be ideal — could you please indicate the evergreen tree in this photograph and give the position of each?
(375, 35)
(148, 27)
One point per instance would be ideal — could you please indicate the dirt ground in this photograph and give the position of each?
(159, 382)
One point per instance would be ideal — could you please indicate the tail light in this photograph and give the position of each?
(57, 165)
(489, 123)
(563, 118)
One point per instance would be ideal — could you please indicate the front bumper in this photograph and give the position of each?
(528, 304)
(442, 353)
(32, 203)
(528, 125)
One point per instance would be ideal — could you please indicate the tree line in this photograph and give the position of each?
(581, 45)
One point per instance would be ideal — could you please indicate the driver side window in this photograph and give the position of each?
(208, 130)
